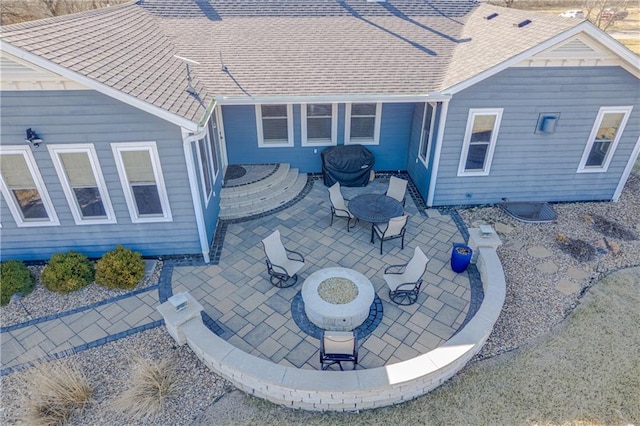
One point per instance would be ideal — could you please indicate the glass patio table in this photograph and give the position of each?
(375, 208)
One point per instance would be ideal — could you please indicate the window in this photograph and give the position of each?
(479, 142)
(319, 124)
(604, 138)
(141, 177)
(275, 125)
(428, 123)
(84, 187)
(213, 140)
(362, 124)
(23, 188)
(205, 166)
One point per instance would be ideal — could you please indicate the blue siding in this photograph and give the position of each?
(539, 167)
(67, 117)
(242, 139)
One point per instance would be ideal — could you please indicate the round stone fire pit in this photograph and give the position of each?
(337, 298)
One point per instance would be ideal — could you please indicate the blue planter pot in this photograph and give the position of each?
(460, 257)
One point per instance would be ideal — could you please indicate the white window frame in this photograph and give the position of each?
(89, 149)
(213, 152)
(473, 113)
(334, 127)
(429, 142)
(583, 168)
(151, 147)
(277, 143)
(12, 203)
(376, 127)
(203, 137)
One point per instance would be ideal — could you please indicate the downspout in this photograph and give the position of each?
(195, 193)
(436, 155)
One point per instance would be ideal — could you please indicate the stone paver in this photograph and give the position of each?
(548, 267)
(539, 252)
(256, 316)
(568, 287)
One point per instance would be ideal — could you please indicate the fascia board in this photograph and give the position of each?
(342, 98)
(629, 58)
(97, 86)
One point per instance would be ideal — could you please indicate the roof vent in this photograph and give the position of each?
(490, 17)
(523, 23)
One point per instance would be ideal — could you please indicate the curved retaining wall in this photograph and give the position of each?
(359, 389)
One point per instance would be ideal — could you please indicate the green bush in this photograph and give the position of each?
(14, 278)
(120, 268)
(67, 272)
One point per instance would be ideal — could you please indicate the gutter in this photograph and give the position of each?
(342, 98)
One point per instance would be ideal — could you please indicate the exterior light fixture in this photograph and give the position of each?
(33, 138)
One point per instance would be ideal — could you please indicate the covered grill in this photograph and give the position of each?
(348, 164)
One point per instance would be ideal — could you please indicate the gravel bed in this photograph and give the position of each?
(533, 304)
(108, 369)
(42, 302)
(337, 291)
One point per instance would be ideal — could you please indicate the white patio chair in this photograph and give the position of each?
(338, 206)
(404, 281)
(282, 264)
(337, 347)
(395, 228)
(397, 189)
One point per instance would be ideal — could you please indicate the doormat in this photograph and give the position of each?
(234, 172)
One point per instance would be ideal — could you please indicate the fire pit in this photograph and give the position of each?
(337, 298)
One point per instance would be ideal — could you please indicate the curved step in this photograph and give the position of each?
(270, 181)
(265, 200)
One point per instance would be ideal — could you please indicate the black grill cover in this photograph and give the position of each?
(348, 164)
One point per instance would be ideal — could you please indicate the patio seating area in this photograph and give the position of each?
(266, 321)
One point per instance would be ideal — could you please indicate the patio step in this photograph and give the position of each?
(262, 196)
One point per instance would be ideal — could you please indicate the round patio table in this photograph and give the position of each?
(375, 208)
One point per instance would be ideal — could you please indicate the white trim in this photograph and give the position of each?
(334, 127)
(151, 148)
(376, 126)
(277, 143)
(12, 203)
(328, 99)
(630, 59)
(435, 166)
(434, 109)
(224, 160)
(195, 194)
(203, 137)
(89, 149)
(627, 171)
(473, 113)
(582, 168)
(213, 156)
(99, 87)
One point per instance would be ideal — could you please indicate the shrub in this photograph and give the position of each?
(14, 278)
(151, 383)
(67, 272)
(120, 268)
(55, 391)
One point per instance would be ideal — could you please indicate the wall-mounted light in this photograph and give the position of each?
(33, 138)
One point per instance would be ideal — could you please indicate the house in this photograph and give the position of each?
(133, 112)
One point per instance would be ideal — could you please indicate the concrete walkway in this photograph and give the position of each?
(242, 306)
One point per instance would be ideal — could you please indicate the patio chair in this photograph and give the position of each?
(395, 228)
(404, 280)
(338, 206)
(337, 347)
(397, 189)
(282, 264)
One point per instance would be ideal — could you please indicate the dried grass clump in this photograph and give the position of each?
(54, 392)
(151, 383)
(580, 250)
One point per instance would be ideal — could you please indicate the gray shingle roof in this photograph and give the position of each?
(281, 48)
